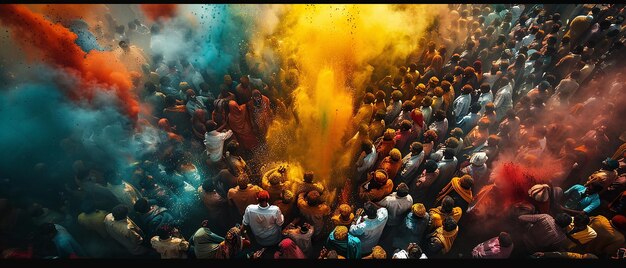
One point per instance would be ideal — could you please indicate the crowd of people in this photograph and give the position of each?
(504, 87)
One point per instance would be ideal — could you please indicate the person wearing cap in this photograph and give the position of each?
(446, 209)
(420, 93)
(385, 144)
(478, 170)
(499, 247)
(344, 243)
(545, 199)
(462, 103)
(301, 235)
(313, 210)
(343, 215)
(369, 227)
(441, 240)
(376, 187)
(413, 227)
(391, 164)
(264, 220)
(397, 204)
(610, 237)
(377, 253)
(394, 107)
(460, 189)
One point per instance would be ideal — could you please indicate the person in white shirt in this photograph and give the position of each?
(397, 204)
(214, 141)
(413, 251)
(264, 220)
(410, 163)
(368, 157)
(369, 227)
(168, 246)
(123, 230)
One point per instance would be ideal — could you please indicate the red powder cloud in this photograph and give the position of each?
(54, 44)
(156, 11)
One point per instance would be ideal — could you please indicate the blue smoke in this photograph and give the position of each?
(44, 132)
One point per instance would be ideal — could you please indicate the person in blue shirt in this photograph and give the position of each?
(66, 245)
(582, 199)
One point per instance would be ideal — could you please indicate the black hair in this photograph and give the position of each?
(120, 212)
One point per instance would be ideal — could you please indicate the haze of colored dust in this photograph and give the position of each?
(54, 44)
(333, 48)
(156, 11)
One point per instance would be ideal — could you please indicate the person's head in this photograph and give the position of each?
(190, 93)
(430, 136)
(345, 210)
(416, 148)
(332, 254)
(448, 153)
(439, 115)
(370, 210)
(418, 210)
(243, 181)
(449, 224)
(232, 147)
(430, 166)
(210, 125)
(427, 101)
(407, 106)
(369, 98)
(389, 134)
(619, 221)
(308, 176)
(120, 212)
(244, 80)
(593, 187)
(466, 182)
(313, 198)
(505, 239)
(447, 204)
(286, 196)
(378, 252)
(396, 95)
(405, 125)
(467, 89)
(395, 155)
(380, 95)
(341, 233)
(490, 108)
(141, 205)
(581, 221)
(402, 190)
(483, 123)
(164, 232)
(415, 252)
(366, 146)
(363, 129)
(263, 197)
(563, 219)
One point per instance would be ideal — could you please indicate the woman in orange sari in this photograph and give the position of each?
(239, 122)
